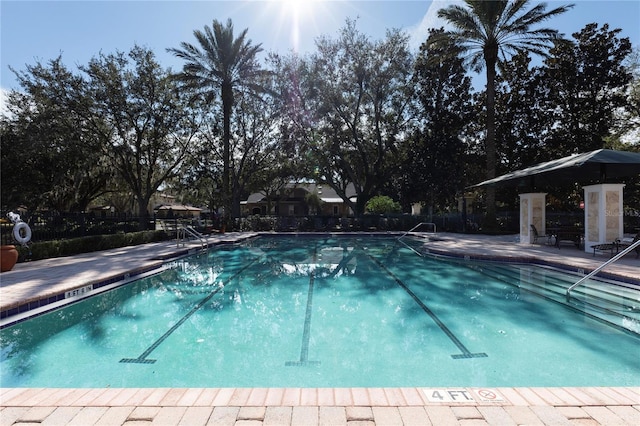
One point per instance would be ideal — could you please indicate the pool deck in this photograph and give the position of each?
(36, 281)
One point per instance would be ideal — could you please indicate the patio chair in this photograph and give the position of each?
(534, 231)
(624, 244)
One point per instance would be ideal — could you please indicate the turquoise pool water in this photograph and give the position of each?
(318, 312)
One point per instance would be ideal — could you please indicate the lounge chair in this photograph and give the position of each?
(624, 244)
(617, 246)
(612, 247)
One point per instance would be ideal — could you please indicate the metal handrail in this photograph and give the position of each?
(410, 248)
(186, 229)
(417, 226)
(629, 249)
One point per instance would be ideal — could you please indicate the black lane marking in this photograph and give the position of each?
(306, 334)
(465, 352)
(142, 359)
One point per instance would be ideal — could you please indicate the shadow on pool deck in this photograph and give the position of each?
(339, 406)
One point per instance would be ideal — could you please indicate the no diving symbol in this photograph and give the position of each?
(488, 395)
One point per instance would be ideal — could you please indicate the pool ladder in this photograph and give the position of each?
(183, 230)
(629, 249)
(417, 226)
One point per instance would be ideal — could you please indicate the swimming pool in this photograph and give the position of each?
(321, 312)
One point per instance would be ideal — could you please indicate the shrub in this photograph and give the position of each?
(381, 204)
(59, 248)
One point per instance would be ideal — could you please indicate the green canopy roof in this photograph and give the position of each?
(600, 166)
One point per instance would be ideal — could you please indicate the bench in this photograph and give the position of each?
(606, 247)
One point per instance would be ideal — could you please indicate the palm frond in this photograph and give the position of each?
(505, 25)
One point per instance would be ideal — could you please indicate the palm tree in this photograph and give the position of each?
(489, 31)
(220, 66)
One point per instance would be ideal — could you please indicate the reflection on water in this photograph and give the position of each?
(316, 312)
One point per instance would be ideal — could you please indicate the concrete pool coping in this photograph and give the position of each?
(34, 281)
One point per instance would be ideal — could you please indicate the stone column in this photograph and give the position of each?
(602, 214)
(532, 212)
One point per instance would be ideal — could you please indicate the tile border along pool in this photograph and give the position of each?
(326, 406)
(34, 281)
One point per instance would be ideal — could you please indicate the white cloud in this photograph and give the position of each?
(4, 94)
(420, 32)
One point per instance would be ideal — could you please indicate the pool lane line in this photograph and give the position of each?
(306, 334)
(342, 264)
(466, 353)
(142, 359)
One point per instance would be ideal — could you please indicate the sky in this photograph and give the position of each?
(38, 31)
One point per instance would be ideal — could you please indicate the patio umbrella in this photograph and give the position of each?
(589, 167)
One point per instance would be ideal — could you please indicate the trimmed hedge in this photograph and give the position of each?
(59, 248)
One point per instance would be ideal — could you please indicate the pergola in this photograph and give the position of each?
(603, 200)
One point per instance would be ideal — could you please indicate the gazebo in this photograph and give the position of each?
(603, 201)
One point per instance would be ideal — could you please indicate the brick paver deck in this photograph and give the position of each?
(326, 406)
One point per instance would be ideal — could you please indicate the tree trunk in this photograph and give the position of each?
(360, 205)
(143, 214)
(227, 104)
(491, 56)
(235, 200)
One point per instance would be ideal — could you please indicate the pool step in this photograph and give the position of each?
(618, 304)
(558, 282)
(612, 302)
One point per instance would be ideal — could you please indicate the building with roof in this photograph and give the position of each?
(170, 211)
(300, 199)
